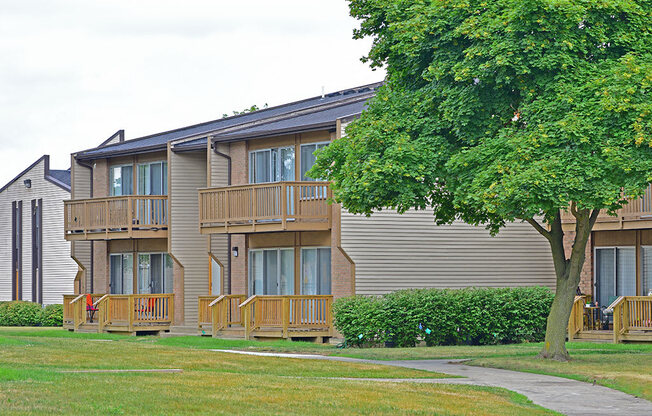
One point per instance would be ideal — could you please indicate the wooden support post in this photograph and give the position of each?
(616, 316)
(132, 311)
(285, 315)
(130, 216)
(246, 322)
(214, 320)
(284, 197)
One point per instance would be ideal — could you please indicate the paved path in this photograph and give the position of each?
(563, 395)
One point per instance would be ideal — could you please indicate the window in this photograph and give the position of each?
(122, 274)
(271, 165)
(153, 178)
(316, 271)
(615, 273)
(155, 273)
(271, 271)
(646, 275)
(122, 178)
(216, 277)
(37, 250)
(308, 158)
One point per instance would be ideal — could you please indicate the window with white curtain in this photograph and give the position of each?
(155, 273)
(121, 180)
(316, 271)
(271, 165)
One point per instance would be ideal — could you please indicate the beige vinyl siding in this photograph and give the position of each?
(81, 189)
(393, 252)
(187, 174)
(219, 176)
(58, 268)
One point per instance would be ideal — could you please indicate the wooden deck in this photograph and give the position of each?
(119, 313)
(636, 215)
(632, 321)
(288, 317)
(277, 206)
(119, 217)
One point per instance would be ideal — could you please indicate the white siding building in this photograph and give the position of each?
(35, 263)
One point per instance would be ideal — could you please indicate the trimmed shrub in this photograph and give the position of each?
(19, 313)
(52, 315)
(445, 317)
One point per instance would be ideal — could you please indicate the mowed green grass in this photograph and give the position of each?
(625, 367)
(35, 379)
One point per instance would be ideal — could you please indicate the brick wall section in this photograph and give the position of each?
(239, 163)
(586, 281)
(239, 265)
(342, 281)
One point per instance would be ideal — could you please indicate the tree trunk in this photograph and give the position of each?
(568, 273)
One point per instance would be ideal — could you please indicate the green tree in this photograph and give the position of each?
(245, 111)
(500, 111)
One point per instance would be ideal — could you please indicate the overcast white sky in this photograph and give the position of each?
(74, 72)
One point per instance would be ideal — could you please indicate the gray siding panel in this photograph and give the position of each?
(81, 189)
(393, 252)
(58, 268)
(187, 174)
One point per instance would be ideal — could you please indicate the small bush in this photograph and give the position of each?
(19, 313)
(52, 315)
(445, 317)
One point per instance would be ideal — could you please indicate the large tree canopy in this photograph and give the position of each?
(495, 111)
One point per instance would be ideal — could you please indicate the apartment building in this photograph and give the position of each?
(218, 226)
(35, 263)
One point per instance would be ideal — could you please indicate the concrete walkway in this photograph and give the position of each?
(563, 395)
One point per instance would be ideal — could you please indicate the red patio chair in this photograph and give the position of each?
(147, 308)
(90, 308)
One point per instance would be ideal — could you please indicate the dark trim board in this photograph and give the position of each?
(37, 250)
(17, 250)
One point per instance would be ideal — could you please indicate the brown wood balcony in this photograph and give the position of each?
(637, 214)
(277, 206)
(118, 217)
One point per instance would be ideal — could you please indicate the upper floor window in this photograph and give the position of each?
(153, 178)
(122, 178)
(308, 158)
(271, 165)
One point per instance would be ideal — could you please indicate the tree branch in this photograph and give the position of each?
(539, 227)
(593, 218)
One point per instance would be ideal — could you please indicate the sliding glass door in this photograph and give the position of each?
(155, 273)
(316, 271)
(615, 273)
(122, 274)
(271, 271)
(121, 180)
(271, 165)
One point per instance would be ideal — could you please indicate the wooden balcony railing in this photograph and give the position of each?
(632, 319)
(128, 313)
(219, 312)
(278, 206)
(138, 216)
(296, 315)
(632, 314)
(636, 214)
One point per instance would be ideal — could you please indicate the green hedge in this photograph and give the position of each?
(20, 313)
(445, 317)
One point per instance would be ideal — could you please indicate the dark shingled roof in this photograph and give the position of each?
(312, 121)
(62, 176)
(159, 141)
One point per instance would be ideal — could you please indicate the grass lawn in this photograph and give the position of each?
(33, 380)
(625, 367)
